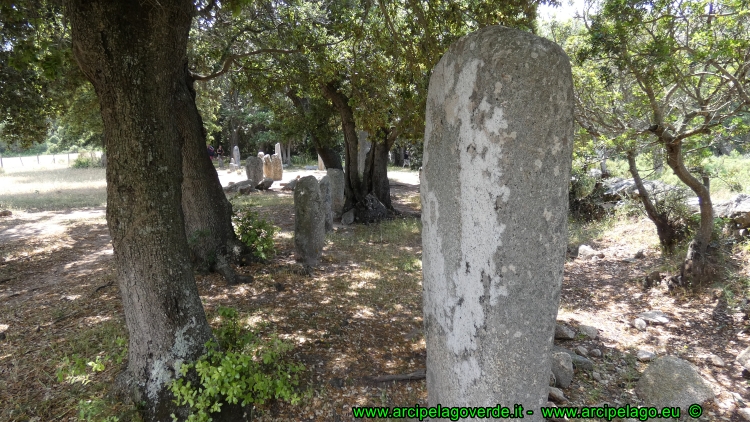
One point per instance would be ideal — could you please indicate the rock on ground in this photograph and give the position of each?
(562, 368)
(670, 381)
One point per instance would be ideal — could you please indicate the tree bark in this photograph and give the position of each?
(694, 269)
(208, 213)
(352, 181)
(330, 157)
(134, 54)
(375, 177)
(667, 230)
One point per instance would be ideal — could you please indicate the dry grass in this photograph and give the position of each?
(52, 188)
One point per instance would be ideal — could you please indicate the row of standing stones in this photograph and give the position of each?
(497, 156)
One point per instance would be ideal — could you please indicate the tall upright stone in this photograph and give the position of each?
(364, 148)
(309, 221)
(277, 149)
(277, 168)
(254, 169)
(325, 192)
(497, 156)
(336, 177)
(267, 171)
(236, 156)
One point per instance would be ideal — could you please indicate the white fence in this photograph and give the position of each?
(46, 160)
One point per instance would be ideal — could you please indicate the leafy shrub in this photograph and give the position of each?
(256, 233)
(87, 160)
(240, 369)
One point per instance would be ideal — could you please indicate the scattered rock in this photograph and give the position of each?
(640, 324)
(564, 333)
(556, 395)
(589, 331)
(562, 368)
(265, 184)
(552, 379)
(3, 329)
(744, 358)
(596, 376)
(582, 363)
(246, 190)
(6, 213)
(654, 317)
(639, 254)
(645, 356)
(737, 209)
(235, 187)
(716, 361)
(596, 353)
(348, 217)
(745, 413)
(651, 280)
(669, 381)
(580, 350)
(586, 252)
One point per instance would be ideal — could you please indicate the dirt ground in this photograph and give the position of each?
(57, 283)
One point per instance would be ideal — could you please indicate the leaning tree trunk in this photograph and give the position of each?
(331, 158)
(352, 181)
(667, 230)
(134, 54)
(695, 268)
(208, 213)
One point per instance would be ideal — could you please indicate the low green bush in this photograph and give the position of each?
(238, 368)
(256, 233)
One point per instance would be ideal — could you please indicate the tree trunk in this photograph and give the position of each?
(134, 54)
(208, 213)
(668, 231)
(375, 177)
(398, 157)
(330, 157)
(352, 181)
(695, 268)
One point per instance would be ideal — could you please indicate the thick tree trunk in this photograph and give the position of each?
(316, 123)
(375, 177)
(208, 213)
(695, 268)
(667, 230)
(134, 54)
(352, 181)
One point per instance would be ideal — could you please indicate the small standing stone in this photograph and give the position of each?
(277, 149)
(236, 156)
(267, 171)
(277, 168)
(325, 191)
(337, 190)
(321, 164)
(254, 169)
(348, 217)
(309, 221)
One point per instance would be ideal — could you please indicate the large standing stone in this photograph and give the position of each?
(364, 148)
(325, 192)
(497, 155)
(309, 221)
(277, 149)
(277, 168)
(337, 190)
(254, 169)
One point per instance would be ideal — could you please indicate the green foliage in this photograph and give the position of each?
(85, 161)
(256, 233)
(78, 369)
(239, 368)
